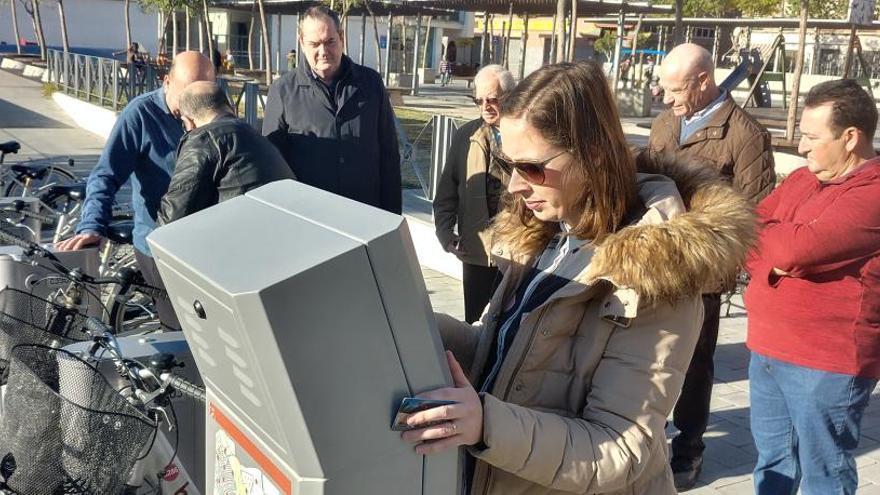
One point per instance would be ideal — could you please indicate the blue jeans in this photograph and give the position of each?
(806, 424)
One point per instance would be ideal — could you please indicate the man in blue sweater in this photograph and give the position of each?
(142, 146)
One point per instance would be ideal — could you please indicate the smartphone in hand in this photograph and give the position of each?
(412, 405)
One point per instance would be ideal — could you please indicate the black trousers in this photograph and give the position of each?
(147, 265)
(479, 284)
(691, 413)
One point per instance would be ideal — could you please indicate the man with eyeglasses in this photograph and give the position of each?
(332, 120)
(704, 125)
(470, 189)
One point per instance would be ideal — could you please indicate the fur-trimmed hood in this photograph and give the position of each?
(691, 253)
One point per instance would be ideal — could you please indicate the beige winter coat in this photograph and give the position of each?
(461, 200)
(582, 397)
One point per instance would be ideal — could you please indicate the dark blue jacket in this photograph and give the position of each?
(345, 143)
(142, 146)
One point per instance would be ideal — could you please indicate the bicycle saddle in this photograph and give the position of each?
(30, 171)
(76, 192)
(9, 147)
(120, 232)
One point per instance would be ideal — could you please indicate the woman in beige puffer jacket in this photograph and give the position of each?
(565, 384)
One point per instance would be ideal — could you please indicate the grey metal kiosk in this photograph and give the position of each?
(309, 320)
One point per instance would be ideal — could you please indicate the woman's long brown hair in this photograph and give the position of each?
(571, 106)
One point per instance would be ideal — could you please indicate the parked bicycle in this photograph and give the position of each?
(31, 178)
(67, 430)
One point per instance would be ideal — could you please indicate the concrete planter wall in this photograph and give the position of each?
(634, 102)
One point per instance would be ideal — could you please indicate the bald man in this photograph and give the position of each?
(219, 158)
(705, 126)
(142, 147)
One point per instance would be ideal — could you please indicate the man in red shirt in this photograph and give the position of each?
(814, 301)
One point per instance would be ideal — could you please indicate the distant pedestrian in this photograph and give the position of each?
(332, 120)
(447, 64)
(291, 60)
(229, 61)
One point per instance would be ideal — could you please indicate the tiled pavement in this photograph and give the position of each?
(730, 454)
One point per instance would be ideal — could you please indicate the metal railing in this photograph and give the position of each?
(253, 96)
(112, 84)
(105, 81)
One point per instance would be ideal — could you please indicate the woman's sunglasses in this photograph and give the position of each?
(531, 171)
(489, 101)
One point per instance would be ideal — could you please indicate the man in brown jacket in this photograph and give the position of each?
(470, 189)
(706, 126)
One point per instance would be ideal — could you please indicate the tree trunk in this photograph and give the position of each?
(363, 37)
(15, 28)
(38, 28)
(64, 40)
(265, 35)
(560, 31)
(505, 60)
(208, 29)
(127, 24)
(344, 26)
(188, 31)
(165, 23)
(201, 34)
(427, 40)
(678, 34)
(250, 44)
(484, 49)
(572, 36)
(175, 42)
(524, 43)
(850, 46)
(376, 33)
(798, 70)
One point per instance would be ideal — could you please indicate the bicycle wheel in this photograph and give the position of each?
(133, 313)
(54, 177)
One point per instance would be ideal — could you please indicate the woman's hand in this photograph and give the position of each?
(462, 423)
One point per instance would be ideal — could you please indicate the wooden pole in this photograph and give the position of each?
(18, 37)
(175, 42)
(264, 26)
(484, 49)
(560, 31)
(525, 42)
(208, 33)
(847, 64)
(61, 17)
(278, 43)
(506, 58)
(427, 40)
(417, 38)
(363, 36)
(188, 32)
(618, 48)
(388, 49)
(798, 70)
(572, 35)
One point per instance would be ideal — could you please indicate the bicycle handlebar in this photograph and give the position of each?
(29, 214)
(13, 240)
(185, 387)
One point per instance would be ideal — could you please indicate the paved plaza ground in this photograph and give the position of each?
(44, 130)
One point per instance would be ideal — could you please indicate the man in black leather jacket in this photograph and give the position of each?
(220, 158)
